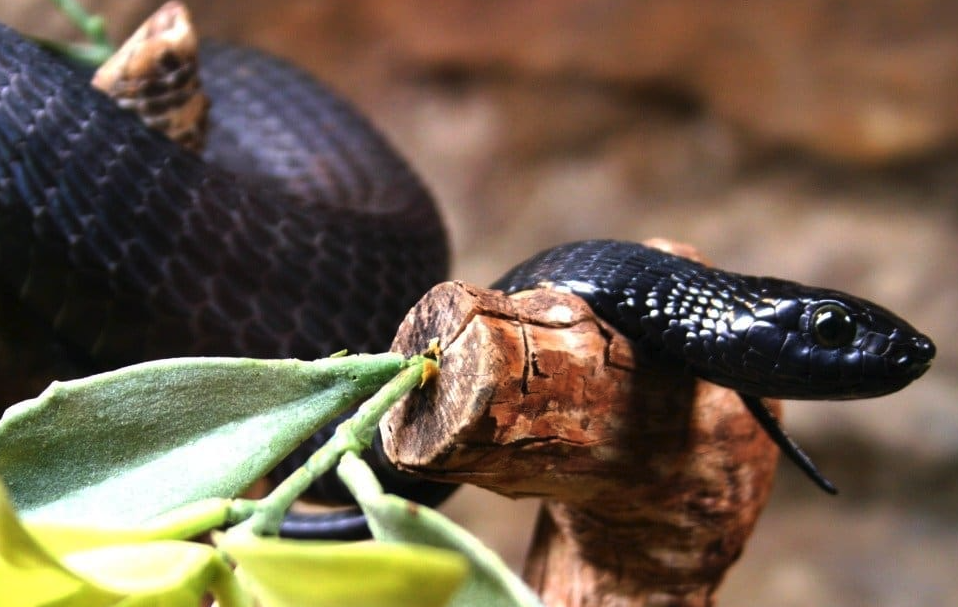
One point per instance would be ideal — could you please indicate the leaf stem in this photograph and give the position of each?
(359, 478)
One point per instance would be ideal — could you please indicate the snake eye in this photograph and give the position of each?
(832, 326)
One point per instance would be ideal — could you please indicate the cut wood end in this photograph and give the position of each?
(653, 480)
(538, 396)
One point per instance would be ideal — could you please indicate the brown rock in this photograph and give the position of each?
(855, 80)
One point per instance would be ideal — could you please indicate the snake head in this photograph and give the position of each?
(761, 336)
(808, 343)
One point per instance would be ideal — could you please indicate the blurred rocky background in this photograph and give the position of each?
(813, 140)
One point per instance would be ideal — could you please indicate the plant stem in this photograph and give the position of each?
(227, 590)
(354, 435)
(93, 27)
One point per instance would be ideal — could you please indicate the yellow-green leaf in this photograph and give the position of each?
(180, 524)
(288, 573)
(150, 574)
(153, 574)
(490, 582)
(29, 575)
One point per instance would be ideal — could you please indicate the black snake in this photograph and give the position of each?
(300, 232)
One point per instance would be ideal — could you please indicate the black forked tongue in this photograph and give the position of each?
(790, 448)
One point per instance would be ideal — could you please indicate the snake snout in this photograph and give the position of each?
(914, 357)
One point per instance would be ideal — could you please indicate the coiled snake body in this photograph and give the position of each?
(300, 232)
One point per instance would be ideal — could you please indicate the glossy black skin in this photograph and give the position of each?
(748, 333)
(299, 232)
(752, 334)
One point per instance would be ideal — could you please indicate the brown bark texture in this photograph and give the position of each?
(652, 480)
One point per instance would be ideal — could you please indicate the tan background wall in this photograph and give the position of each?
(813, 140)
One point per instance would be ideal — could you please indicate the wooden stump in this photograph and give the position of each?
(651, 480)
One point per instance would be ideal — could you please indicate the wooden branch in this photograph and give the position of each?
(651, 480)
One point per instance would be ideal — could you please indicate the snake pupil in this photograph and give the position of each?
(833, 327)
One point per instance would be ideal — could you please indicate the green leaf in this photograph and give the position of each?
(297, 573)
(392, 519)
(119, 448)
